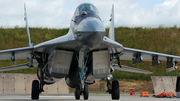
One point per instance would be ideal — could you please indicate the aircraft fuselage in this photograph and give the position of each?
(88, 29)
(87, 32)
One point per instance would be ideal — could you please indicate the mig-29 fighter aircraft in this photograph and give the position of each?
(83, 56)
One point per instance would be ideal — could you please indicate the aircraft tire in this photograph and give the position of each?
(115, 90)
(77, 93)
(86, 92)
(35, 90)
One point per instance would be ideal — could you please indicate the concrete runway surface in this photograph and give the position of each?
(92, 97)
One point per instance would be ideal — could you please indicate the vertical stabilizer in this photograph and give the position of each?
(111, 29)
(27, 28)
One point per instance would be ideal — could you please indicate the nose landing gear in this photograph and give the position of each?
(77, 93)
(85, 92)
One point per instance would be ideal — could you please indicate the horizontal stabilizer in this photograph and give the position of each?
(131, 69)
(21, 66)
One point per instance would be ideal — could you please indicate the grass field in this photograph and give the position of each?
(163, 40)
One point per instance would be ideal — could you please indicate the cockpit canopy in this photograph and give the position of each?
(86, 7)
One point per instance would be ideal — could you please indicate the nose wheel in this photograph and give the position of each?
(86, 92)
(78, 92)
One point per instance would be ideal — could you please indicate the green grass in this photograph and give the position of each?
(162, 39)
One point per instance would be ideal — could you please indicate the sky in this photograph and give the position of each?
(58, 13)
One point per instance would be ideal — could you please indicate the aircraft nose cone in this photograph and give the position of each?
(90, 31)
(90, 24)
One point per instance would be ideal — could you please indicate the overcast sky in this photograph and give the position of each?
(58, 13)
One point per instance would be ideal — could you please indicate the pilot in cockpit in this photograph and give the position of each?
(86, 8)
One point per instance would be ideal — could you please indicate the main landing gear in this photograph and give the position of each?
(37, 87)
(115, 90)
(35, 90)
(78, 92)
(115, 95)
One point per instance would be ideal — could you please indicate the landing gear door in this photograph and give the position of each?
(101, 64)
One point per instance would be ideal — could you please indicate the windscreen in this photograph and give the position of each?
(88, 8)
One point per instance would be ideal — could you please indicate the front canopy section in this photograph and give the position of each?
(86, 8)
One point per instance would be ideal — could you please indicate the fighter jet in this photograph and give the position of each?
(83, 56)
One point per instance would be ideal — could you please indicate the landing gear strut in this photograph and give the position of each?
(37, 87)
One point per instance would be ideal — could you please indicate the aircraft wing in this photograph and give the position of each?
(138, 56)
(19, 53)
(130, 53)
